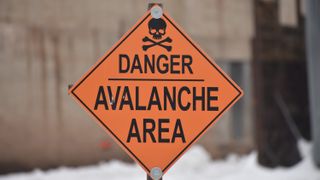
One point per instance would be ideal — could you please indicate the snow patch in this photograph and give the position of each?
(195, 164)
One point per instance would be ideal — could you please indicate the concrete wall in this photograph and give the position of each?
(46, 45)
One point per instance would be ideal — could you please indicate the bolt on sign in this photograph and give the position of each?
(156, 92)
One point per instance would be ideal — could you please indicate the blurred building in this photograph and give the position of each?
(46, 45)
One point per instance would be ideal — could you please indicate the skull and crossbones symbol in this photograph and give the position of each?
(157, 29)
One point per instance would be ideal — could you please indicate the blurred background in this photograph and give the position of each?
(269, 47)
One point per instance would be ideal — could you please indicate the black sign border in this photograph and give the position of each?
(109, 130)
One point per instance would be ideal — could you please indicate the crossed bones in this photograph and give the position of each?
(154, 43)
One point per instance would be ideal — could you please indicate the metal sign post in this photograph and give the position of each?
(156, 12)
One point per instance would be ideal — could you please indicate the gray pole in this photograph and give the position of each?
(313, 56)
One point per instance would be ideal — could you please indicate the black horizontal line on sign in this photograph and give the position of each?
(155, 79)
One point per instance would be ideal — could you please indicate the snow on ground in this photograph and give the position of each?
(195, 164)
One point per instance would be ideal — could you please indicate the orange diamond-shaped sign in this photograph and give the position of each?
(156, 92)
